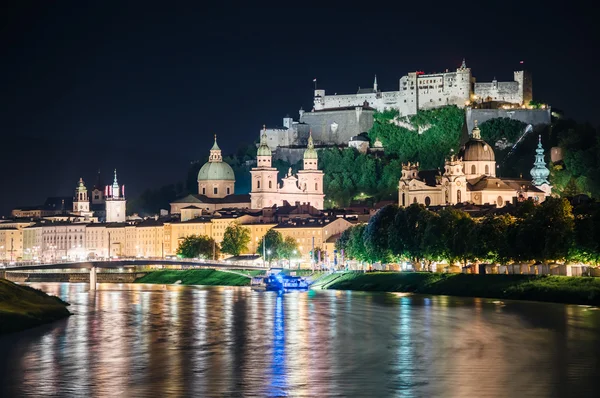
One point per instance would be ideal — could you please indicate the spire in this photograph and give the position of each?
(215, 153)
(375, 84)
(215, 146)
(464, 64)
(263, 148)
(476, 132)
(539, 172)
(115, 186)
(310, 152)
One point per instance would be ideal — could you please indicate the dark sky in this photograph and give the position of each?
(143, 86)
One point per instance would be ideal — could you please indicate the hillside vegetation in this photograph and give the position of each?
(23, 307)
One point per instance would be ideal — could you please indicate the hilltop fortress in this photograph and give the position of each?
(418, 91)
(338, 120)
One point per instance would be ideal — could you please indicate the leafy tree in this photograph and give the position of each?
(355, 248)
(287, 248)
(377, 233)
(587, 234)
(456, 226)
(272, 241)
(235, 239)
(198, 246)
(488, 238)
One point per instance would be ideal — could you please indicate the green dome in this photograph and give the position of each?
(310, 152)
(216, 171)
(263, 149)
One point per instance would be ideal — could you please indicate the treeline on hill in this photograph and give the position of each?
(579, 171)
(550, 231)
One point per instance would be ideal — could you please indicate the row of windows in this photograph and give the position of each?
(215, 191)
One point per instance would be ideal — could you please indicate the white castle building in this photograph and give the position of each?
(418, 91)
(306, 187)
(471, 177)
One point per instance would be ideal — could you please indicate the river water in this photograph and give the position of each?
(128, 340)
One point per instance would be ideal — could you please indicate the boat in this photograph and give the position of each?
(276, 280)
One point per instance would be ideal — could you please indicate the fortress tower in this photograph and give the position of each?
(115, 201)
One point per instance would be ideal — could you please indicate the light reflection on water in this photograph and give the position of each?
(152, 340)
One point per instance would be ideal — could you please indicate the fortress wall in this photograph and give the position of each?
(290, 155)
(349, 123)
(500, 91)
(529, 116)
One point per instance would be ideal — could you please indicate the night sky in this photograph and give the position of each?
(143, 87)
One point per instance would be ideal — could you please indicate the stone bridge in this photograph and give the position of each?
(120, 271)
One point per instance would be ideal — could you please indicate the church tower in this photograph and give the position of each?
(115, 202)
(540, 172)
(264, 177)
(81, 201)
(454, 182)
(310, 179)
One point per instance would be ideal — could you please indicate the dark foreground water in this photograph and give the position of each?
(151, 340)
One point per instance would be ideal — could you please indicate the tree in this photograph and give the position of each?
(489, 238)
(356, 245)
(235, 239)
(456, 226)
(377, 234)
(287, 248)
(270, 244)
(198, 246)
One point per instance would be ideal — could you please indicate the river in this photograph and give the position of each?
(133, 340)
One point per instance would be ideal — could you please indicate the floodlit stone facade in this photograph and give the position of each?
(306, 187)
(469, 177)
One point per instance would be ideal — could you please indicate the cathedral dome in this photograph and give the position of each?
(476, 149)
(215, 168)
(216, 171)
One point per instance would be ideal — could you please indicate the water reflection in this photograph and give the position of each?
(150, 340)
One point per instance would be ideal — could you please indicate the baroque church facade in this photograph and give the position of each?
(216, 184)
(471, 177)
(306, 187)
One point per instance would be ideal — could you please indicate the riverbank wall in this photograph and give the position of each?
(557, 289)
(22, 307)
(205, 277)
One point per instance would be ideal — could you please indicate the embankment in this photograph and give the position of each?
(557, 289)
(196, 277)
(23, 307)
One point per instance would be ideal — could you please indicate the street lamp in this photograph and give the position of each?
(269, 257)
(294, 257)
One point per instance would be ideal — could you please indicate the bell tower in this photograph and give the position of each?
(310, 180)
(81, 201)
(454, 182)
(264, 177)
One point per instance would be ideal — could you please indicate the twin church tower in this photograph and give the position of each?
(216, 183)
(305, 187)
